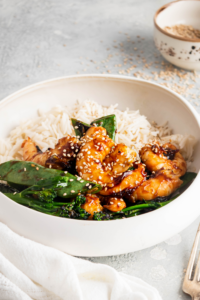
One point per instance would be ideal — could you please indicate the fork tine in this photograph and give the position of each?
(197, 274)
(193, 255)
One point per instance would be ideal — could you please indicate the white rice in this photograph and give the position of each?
(134, 129)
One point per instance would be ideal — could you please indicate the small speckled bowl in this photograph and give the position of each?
(182, 52)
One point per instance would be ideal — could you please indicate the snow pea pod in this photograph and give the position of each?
(25, 173)
(109, 123)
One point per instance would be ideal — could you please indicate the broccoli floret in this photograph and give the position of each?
(102, 216)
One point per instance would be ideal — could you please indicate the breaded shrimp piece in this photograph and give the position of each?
(99, 159)
(161, 185)
(115, 204)
(125, 183)
(167, 166)
(120, 158)
(91, 205)
(32, 153)
(165, 157)
(60, 157)
(96, 145)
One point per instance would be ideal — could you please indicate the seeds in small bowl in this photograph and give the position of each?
(184, 31)
(177, 33)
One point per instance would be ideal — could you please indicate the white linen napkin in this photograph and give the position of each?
(29, 270)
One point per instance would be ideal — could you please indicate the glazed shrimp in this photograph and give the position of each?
(167, 166)
(124, 185)
(165, 157)
(91, 205)
(101, 161)
(59, 158)
(115, 204)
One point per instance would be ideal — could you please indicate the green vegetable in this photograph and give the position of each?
(147, 204)
(46, 190)
(24, 173)
(130, 211)
(102, 216)
(4, 188)
(131, 168)
(80, 128)
(47, 186)
(109, 123)
(66, 210)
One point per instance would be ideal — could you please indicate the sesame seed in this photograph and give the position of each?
(65, 172)
(71, 180)
(64, 194)
(24, 169)
(37, 168)
(72, 191)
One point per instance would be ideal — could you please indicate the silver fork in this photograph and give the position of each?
(192, 286)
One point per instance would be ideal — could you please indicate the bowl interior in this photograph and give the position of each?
(180, 12)
(153, 101)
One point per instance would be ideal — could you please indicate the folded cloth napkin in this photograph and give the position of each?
(29, 270)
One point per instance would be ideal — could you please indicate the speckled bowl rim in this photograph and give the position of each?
(165, 32)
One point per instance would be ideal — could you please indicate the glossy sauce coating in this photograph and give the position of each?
(115, 204)
(60, 157)
(91, 205)
(166, 174)
(100, 160)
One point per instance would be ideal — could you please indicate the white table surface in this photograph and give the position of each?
(40, 40)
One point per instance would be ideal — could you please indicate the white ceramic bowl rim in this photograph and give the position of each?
(167, 33)
(36, 85)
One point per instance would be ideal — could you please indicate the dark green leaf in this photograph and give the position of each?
(80, 128)
(109, 123)
(4, 188)
(47, 189)
(24, 173)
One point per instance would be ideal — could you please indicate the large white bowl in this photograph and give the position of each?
(93, 238)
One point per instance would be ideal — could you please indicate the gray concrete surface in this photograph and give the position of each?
(40, 40)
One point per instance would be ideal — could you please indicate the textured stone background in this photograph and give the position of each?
(40, 40)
